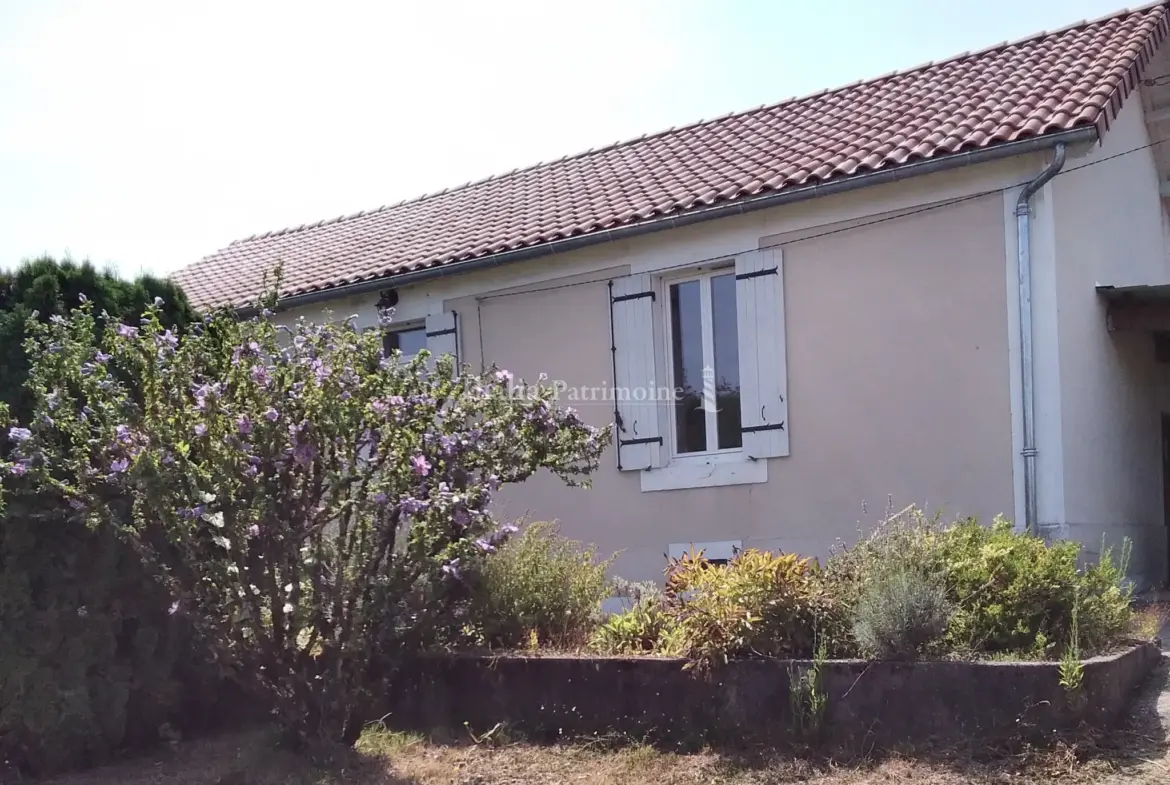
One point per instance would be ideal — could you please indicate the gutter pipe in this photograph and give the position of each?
(1084, 134)
(1024, 263)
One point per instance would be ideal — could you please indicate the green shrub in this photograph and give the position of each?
(540, 587)
(91, 661)
(1013, 592)
(1009, 592)
(759, 604)
(646, 628)
(903, 610)
(634, 592)
(908, 537)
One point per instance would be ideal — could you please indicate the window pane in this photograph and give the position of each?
(686, 329)
(726, 328)
(408, 342)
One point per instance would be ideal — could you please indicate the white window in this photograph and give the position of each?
(702, 329)
(716, 334)
(408, 339)
(438, 334)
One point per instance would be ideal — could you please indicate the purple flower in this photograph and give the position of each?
(304, 453)
(271, 415)
(77, 504)
(244, 424)
(101, 357)
(504, 376)
(461, 517)
(122, 434)
(251, 471)
(119, 466)
(167, 458)
(52, 400)
(397, 400)
(267, 313)
(260, 375)
(200, 429)
(411, 505)
(485, 546)
(380, 407)
(420, 465)
(380, 498)
(126, 331)
(451, 568)
(19, 434)
(254, 530)
(509, 528)
(20, 468)
(158, 302)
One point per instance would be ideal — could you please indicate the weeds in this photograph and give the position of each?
(806, 694)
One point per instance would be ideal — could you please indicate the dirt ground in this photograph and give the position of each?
(1138, 752)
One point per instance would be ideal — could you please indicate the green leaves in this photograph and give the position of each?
(309, 502)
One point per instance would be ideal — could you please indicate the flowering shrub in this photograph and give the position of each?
(308, 502)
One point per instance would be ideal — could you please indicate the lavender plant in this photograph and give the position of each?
(309, 502)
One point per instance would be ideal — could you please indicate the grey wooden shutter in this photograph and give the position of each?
(759, 300)
(443, 334)
(637, 432)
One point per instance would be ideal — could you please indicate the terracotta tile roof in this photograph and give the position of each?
(1050, 82)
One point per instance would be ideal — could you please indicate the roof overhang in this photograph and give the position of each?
(1143, 308)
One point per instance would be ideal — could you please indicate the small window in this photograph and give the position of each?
(703, 325)
(408, 340)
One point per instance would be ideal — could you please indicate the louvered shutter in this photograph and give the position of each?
(443, 334)
(639, 440)
(759, 294)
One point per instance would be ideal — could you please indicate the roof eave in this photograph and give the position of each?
(1081, 135)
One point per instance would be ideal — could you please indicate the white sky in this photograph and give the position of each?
(144, 135)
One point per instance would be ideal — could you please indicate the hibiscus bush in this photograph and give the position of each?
(308, 502)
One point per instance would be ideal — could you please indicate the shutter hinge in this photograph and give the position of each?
(757, 428)
(436, 333)
(636, 296)
(757, 274)
(647, 440)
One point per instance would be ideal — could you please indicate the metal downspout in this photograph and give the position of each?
(1024, 262)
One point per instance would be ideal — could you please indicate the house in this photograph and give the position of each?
(948, 285)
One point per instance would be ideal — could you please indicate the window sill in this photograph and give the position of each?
(705, 472)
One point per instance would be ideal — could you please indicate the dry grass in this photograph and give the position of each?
(1138, 752)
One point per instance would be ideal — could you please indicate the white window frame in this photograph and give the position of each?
(713, 468)
(405, 327)
(707, 325)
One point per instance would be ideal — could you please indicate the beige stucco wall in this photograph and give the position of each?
(1108, 229)
(897, 379)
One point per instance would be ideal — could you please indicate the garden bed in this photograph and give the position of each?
(851, 703)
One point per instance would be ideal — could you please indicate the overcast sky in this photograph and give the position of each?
(144, 135)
